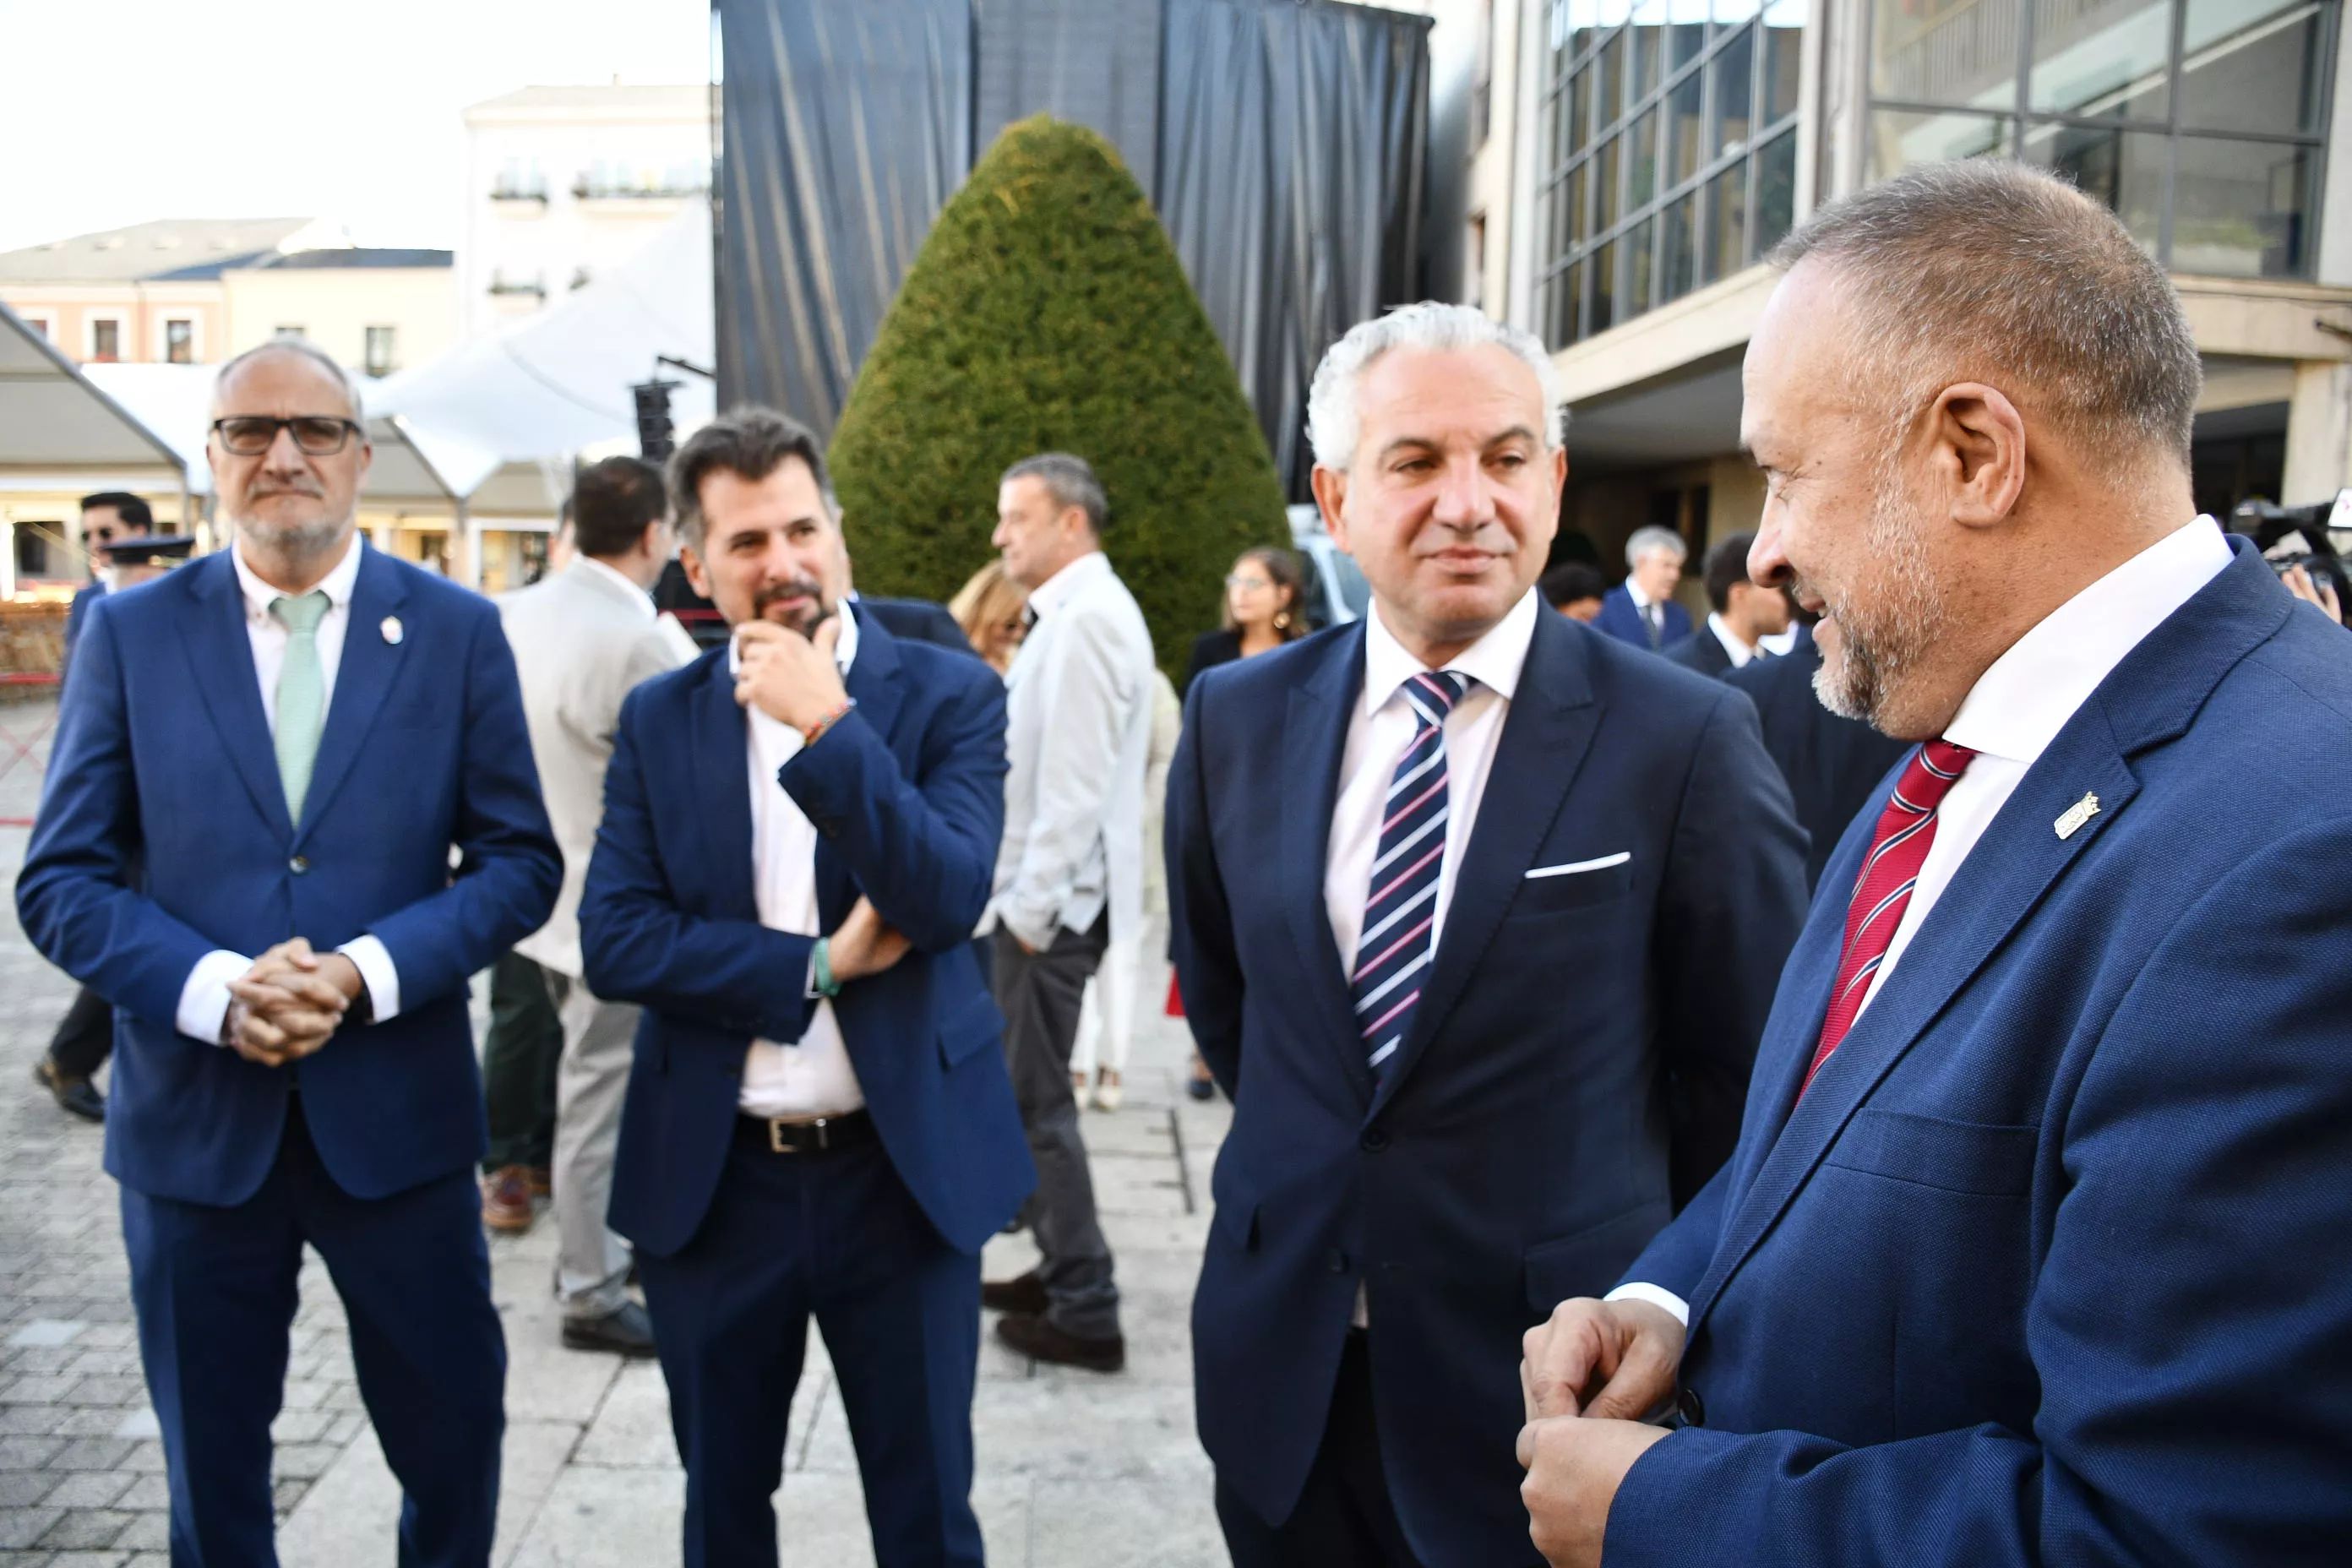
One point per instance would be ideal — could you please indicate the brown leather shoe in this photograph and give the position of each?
(1026, 1294)
(506, 1200)
(543, 1181)
(1040, 1341)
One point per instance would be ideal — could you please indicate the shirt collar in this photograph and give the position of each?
(1634, 591)
(638, 595)
(336, 584)
(845, 652)
(2019, 705)
(1055, 591)
(1740, 651)
(1493, 661)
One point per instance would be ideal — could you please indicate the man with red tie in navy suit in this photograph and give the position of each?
(1477, 914)
(264, 763)
(2035, 1247)
(800, 832)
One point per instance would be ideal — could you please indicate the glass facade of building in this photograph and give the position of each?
(1666, 150)
(2201, 121)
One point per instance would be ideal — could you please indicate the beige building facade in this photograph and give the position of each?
(1640, 157)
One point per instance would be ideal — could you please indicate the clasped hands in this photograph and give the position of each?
(791, 678)
(1591, 1373)
(289, 1003)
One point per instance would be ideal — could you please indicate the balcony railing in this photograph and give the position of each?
(519, 191)
(589, 189)
(535, 287)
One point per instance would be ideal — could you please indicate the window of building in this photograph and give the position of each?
(180, 343)
(2199, 121)
(33, 548)
(105, 339)
(39, 324)
(1667, 146)
(380, 348)
(294, 331)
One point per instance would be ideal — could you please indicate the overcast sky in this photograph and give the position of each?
(132, 110)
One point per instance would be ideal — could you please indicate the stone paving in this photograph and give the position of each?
(1075, 1469)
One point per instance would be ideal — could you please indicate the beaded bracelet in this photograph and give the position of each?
(815, 732)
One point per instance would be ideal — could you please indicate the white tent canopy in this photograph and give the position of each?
(554, 383)
(59, 431)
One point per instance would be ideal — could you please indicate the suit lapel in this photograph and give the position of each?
(877, 679)
(1314, 739)
(1545, 736)
(722, 774)
(369, 666)
(212, 623)
(2150, 699)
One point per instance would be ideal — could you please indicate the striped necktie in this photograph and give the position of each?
(301, 694)
(1889, 873)
(1392, 955)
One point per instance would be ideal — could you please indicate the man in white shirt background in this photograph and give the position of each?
(798, 838)
(1742, 616)
(2035, 1246)
(1478, 918)
(264, 764)
(583, 638)
(1069, 877)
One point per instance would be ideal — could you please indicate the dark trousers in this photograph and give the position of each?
(85, 1037)
(835, 1236)
(519, 1058)
(1344, 1518)
(1039, 994)
(214, 1290)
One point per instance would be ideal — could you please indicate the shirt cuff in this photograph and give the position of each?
(376, 973)
(203, 1000)
(1656, 1295)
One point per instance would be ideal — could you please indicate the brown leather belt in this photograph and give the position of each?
(781, 1136)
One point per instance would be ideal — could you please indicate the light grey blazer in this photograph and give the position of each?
(1077, 731)
(583, 638)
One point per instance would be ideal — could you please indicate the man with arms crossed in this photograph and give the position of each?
(1477, 916)
(798, 835)
(583, 639)
(2035, 1246)
(272, 752)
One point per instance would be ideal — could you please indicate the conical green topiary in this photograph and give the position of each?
(1047, 311)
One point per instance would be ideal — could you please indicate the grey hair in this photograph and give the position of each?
(1069, 480)
(1333, 420)
(307, 350)
(1655, 539)
(1987, 270)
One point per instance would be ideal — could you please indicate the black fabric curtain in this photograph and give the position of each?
(1286, 153)
(845, 129)
(1292, 155)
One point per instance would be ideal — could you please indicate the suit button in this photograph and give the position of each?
(1691, 1407)
(1337, 1261)
(1374, 1140)
(299, 863)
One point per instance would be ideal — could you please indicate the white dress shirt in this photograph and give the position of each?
(203, 997)
(1740, 651)
(1378, 732)
(2016, 709)
(814, 1077)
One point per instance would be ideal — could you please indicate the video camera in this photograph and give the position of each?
(2313, 537)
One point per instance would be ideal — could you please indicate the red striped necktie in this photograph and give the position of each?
(1905, 830)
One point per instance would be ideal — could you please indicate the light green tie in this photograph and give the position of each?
(301, 695)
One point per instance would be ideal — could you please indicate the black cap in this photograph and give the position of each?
(149, 550)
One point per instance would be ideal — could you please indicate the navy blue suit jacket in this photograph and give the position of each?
(78, 612)
(2049, 1265)
(918, 620)
(908, 797)
(1834, 766)
(1702, 651)
(1575, 1066)
(1620, 620)
(163, 835)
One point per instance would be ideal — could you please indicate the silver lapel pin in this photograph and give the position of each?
(392, 631)
(2074, 815)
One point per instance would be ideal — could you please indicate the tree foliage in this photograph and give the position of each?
(1047, 311)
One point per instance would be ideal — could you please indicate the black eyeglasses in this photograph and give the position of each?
(251, 435)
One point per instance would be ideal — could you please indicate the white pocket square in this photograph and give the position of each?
(1573, 867)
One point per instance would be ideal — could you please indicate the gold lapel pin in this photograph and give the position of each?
(391, 628)
(2074, 815)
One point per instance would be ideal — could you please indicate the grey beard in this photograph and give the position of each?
(1877, 656)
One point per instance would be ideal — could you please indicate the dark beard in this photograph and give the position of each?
(806, 621)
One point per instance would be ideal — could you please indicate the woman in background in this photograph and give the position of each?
(989, 610)
(1266, 597)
